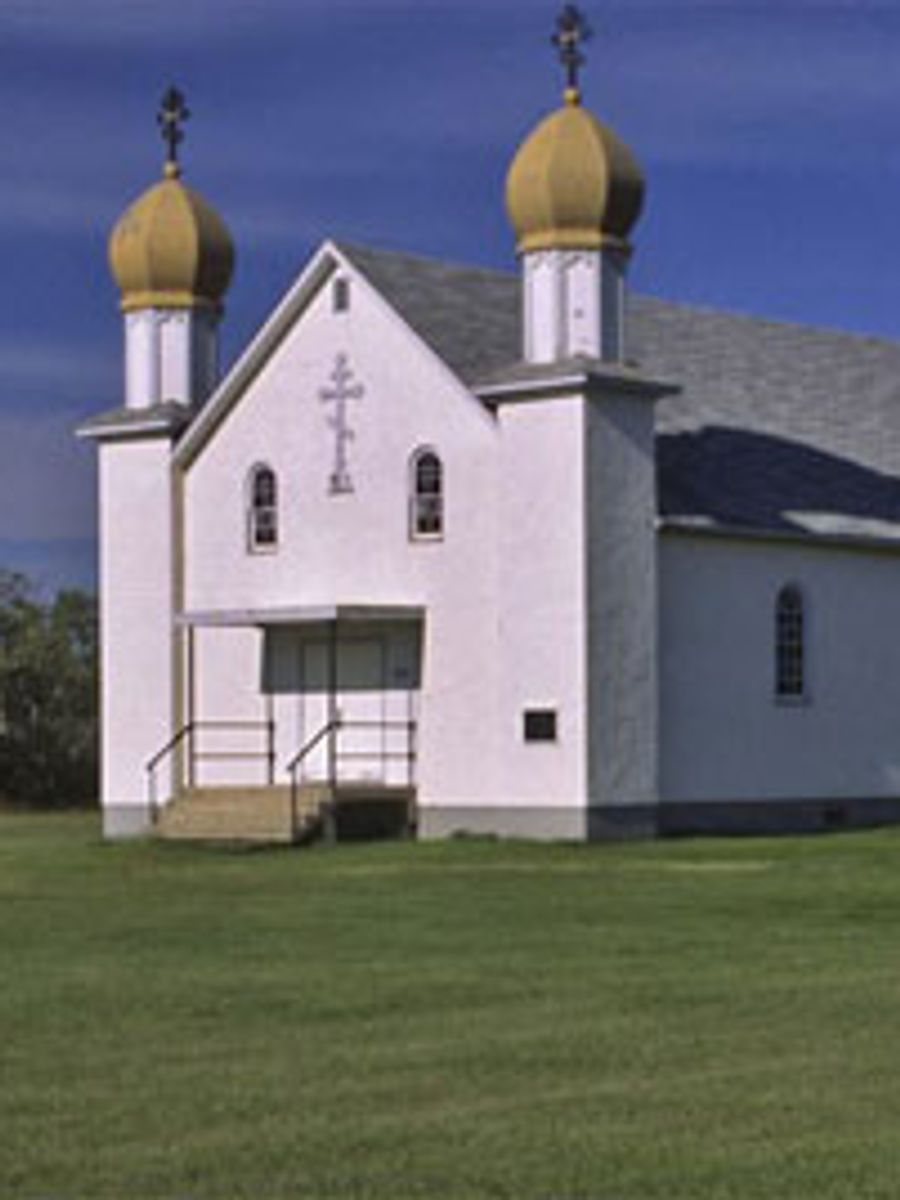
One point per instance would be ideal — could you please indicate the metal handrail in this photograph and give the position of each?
(170, 745)
(307, 748)
(153, 763)
(333, 727)
(187, 732)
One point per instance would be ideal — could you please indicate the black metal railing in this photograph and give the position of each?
(338, 756)
(189, 734)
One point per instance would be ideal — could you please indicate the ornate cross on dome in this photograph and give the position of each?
(572, 30)
(170, 118)
(343, 390)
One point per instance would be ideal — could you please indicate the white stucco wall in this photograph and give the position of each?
(543, 594)
(354, 549)
(622, 597)
(724, 735)
(135, 616)
(226, 687)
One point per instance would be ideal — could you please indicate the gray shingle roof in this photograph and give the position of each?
(778, 426)
(468, 315)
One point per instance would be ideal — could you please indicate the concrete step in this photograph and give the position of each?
(241, 814)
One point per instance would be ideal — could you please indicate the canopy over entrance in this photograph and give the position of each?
(308, 614)
(334, 688)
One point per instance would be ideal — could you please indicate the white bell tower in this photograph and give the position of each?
(577, 447)
(573, 192)
(172, 258)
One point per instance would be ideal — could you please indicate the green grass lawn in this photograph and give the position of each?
(465, 1019)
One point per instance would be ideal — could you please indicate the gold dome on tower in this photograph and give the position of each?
(171, 249)
(573, 183)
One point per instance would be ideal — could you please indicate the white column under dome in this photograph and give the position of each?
(171, 354)
(574, 303)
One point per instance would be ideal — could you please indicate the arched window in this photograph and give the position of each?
(790, 647)
(262, 509)
(426, 501)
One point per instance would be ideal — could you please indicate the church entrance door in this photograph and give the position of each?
(365, 678)
(355, 669)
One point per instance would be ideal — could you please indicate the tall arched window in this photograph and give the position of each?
(426, 500)
(262, 509)
(790, 643)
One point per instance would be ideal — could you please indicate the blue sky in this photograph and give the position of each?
(768, 132)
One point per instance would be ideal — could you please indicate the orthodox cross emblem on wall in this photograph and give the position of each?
(339, 394)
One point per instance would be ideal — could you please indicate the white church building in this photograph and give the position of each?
(457, 550)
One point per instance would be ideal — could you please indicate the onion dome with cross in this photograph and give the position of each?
(171, 249)
(573, 183)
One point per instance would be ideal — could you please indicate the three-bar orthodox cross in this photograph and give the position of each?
(172, 114)
(572, 30)
(339, 395)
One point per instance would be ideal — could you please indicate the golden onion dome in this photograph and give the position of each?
(573, 183)
(171, 249)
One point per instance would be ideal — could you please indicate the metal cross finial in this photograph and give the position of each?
(572, 30)
(170, 118)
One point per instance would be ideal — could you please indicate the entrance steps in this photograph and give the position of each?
(263, 815)
(243, 814)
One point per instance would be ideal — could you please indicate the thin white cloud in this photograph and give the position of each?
(103, 21)
(59, 375)
(52, 205)
(215, 21)
(772, 91)
(702, 88)
(777, 8)
(46, 479)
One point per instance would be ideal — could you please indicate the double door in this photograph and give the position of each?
(359, 701)
(367, 681)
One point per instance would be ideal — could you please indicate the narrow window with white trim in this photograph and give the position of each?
(426, 495)
(262, 510)
(790, 644)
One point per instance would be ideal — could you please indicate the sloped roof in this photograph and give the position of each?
(468, 315)
(778, 426)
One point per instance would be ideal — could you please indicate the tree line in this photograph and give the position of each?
(48, 696)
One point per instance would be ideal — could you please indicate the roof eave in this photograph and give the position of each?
(535, 381)
(691, 527)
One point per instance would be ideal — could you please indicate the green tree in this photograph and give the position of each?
(48, 696)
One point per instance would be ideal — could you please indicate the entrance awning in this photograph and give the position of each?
(315, 614)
